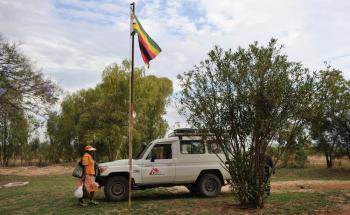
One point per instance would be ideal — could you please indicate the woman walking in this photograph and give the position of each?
(88, 178)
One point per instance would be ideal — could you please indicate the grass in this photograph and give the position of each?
(54, 195)
(303, 202)
(311, 173)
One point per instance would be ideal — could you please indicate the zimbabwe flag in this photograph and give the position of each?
(149, 48)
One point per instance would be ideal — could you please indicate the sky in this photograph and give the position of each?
(72, 41)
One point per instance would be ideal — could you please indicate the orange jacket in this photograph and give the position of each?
(89, 164)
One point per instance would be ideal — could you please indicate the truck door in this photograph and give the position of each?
(159, 166)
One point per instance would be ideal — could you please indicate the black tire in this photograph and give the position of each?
(209, 185)
(116, 188)
(192, 188)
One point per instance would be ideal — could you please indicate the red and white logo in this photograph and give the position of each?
(155, 171)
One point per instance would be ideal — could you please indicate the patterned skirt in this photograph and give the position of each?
(89, 183)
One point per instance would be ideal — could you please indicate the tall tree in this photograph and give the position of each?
(99, 116)
(331, 112)
(52, 132)
(23, 91)
(247, 98)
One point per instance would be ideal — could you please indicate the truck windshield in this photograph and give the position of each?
(143, 151)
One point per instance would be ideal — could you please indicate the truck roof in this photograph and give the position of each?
(166, 139)
(175, 138)
(180, 132)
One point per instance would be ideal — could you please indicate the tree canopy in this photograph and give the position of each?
(22, 87)
(99, 116)
(249, 99)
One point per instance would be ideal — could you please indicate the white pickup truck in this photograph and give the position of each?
(186, 158)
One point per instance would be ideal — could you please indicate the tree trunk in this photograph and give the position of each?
(328, 159)
(110, 150)
(21, 154)
(258, 160)
(5, 146)
(329, 163)
(1, 138)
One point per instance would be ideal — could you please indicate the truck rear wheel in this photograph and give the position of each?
(209, 185)
(116, 188)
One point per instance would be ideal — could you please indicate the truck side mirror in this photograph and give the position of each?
(153, 156)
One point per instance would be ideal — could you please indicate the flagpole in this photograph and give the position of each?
(131, 106)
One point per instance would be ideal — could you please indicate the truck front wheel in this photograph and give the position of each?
(209, 185)
(116, 188)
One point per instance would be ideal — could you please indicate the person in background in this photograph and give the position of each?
(89, 175)
(268, 171)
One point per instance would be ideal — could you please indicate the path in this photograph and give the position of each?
(299, 186)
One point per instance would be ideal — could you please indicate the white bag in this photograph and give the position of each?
(79, 192)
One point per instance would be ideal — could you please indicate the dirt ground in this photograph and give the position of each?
(310, 185)
(295, 186)
(34, 171)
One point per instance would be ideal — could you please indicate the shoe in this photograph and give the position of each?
(83, 204)
(93, 202)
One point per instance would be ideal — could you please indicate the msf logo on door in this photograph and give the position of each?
(155, 171)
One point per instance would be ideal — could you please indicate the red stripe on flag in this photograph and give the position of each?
(144, 58)
(146, 45)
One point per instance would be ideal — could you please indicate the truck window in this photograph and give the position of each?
(161, 151)
(213, 147)
(192, 147)
(143, 151)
